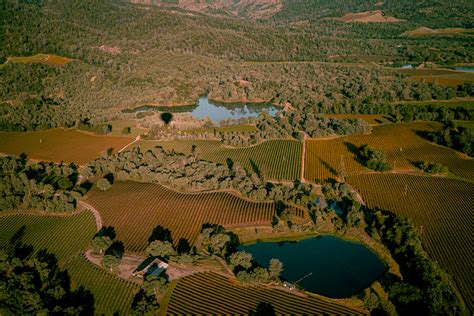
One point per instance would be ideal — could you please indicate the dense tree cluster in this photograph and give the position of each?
(431, 167)
(186, 172)
(425, 288)
(43, 186)
(373, 159)
(452, 136)
(32, 283)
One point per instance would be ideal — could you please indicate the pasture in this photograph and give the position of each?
(65, 236)
(134, 209)
(440, 208)
(399, 142)
(210, 293)
(426, 31)
(119, 128)
(444, 77)
(68, 145)
(276, 159)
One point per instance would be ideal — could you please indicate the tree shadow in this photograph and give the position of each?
(328, 166)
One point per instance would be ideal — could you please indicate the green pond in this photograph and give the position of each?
(324, 265)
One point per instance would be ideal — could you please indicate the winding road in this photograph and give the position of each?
(95, 212)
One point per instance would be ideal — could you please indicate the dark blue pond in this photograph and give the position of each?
(338, 268)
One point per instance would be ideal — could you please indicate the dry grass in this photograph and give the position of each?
(119, 126)
(60, 145)
(373, 119)
(376, 16)
(427, 31)
(50, 60)
(441, 208)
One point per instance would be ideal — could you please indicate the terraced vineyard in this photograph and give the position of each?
(210, 293)
(276, 159)
(111, 294)
(373, 119)
(64, 236)
(400, 142)
(134, 209)
(441, 208)
(60, 145)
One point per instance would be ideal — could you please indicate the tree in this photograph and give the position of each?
(103, 184)
(160, 248)
(160, 233)
(113, 255)
(183, 246)
(144, 304)
(101, 243)
(154, 284)
(241, 258)
(264, 309)
(275, 268)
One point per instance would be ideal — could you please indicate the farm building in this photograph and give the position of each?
(150, 266)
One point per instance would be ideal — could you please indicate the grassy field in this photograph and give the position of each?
(443, 77)
(119, 126)
(50, 60)
(465, 103)
(399, 142)
(425, 31)
(276, 159)
(441, 208)
(373, 119)
(111, 294)
(60, 145)
(134, 209)
(210, 293)
(64, 236)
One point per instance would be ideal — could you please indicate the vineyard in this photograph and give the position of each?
(134, 209)
(210, 293)
(276, 159)
(59, 145)
(64, 236)
(441, 209)
(400, 143)
(111, 294)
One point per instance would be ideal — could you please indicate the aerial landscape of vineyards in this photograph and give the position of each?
(111, 294)
(399, 142)
(134, 209)
(441, 210)
(236, 157)
(43, 232)
(276, 159)
(220, 295)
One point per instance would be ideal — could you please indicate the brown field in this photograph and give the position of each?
(444, 77)
(50, 60)
(134, 209)
(463, 102)
(399, 142)
(57, 145)
(373, 119)
(441, 208)
(376, 16)
(210, 293)
(427, 31)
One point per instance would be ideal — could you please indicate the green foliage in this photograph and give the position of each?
(275, 268)
(459, 138)
(33, 283)
(100, 244)
(373, 159)
(242, 259)
(144, 304)
(183, 246)
(431, 167)
(217, 241)
(158, 248)
(45, 186)
(103, 184)
(160, 233)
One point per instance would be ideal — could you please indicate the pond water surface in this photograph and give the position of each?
(214, 110)
(464, 69)
(333, 267)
